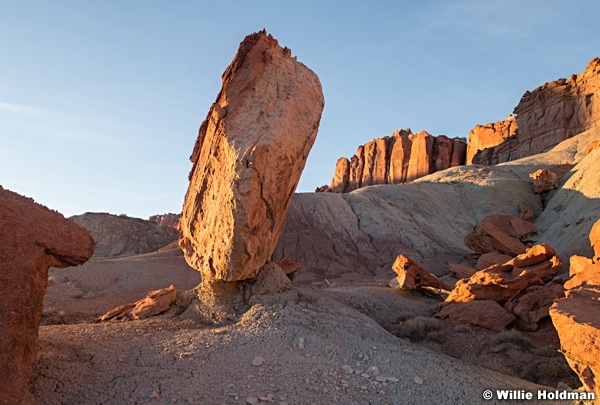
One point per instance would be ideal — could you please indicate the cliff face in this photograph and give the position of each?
(489, 135)
(396, 159)
(548, 115)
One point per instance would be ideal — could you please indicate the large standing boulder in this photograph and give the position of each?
(248, 159)
(32, 239)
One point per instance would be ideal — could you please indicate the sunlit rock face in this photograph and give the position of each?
(550, 114)
(33, 238)
(489, 135)
(396, 159)
(247, 160)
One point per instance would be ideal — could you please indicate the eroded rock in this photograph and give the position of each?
(503, 234)
(154, 303)
(485, 313)
(248, 159)
(411, 276)
(533, 304)
(33, 238)
(543, 180)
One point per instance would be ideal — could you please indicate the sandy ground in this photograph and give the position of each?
(314, 344)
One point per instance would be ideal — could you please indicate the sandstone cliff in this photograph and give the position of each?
(550, 114)
(124, 236)
(169, 220)
(400, 158)
(486, 136)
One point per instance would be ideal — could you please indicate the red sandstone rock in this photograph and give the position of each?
(339, 183)
(32, 239)
(411, 276)
(543, 180)
(550, 114)
(357, 164)
(488, 135)
(533, 304)
(459, 152)
(595, 240)
(375, 162)
(500, 233)
(489, 259)
(420, 163)
(593, 145)
(154, 303)
(534, 255)
(577, 264)
(248, 159)
(442, 152)
(485, 313)
(461, 271)
(399, 156)
(169, 220)
(502, 281)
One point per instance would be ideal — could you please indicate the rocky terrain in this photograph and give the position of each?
(124, 236)
(419, 280)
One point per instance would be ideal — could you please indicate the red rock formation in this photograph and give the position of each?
(500, 282)
(154, 303)
(247, 160)
(489, 135)
(533, 304)
(411, 276)
(397, 159)
(543, 180)
(550, 114)
(461, 271)
(577, 319)
(339, 184)
(32, 239)
(500, 233)
(485, 313)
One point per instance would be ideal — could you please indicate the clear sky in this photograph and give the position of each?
(100, 101)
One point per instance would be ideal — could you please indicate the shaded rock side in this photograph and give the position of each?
(489, 135)
(124, 236)
(396, 159)
(550, 114)
(33, 238)
(411, 276)
(247, 160)
(485, 313)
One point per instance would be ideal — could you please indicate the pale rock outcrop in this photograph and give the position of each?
(411, 276)
(154, 303)
(396, 159)
(33, 238)
(124, 236)
(488, 135)
(248, 159)
(543, 180)
(485, 313)
(550, 114)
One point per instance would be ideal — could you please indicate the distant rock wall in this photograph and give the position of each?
(548, 115)
(124, 236)
(396, 159)
(489, 135)
(169, 220)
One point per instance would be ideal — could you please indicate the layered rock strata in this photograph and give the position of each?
(550, 114)
(33, 238)
(486, 136)
(247, 160)
(396, 159)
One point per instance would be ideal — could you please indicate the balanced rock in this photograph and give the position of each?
(248, 159)
(32, 239)
(411, 276)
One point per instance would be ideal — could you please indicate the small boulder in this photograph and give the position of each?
(411, 276)
(154, 303)
(543, 180)
(491, 258)
(533, 304)
(461, 270)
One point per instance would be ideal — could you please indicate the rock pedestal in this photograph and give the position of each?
(248, 159)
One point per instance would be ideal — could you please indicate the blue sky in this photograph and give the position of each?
(100, 101)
